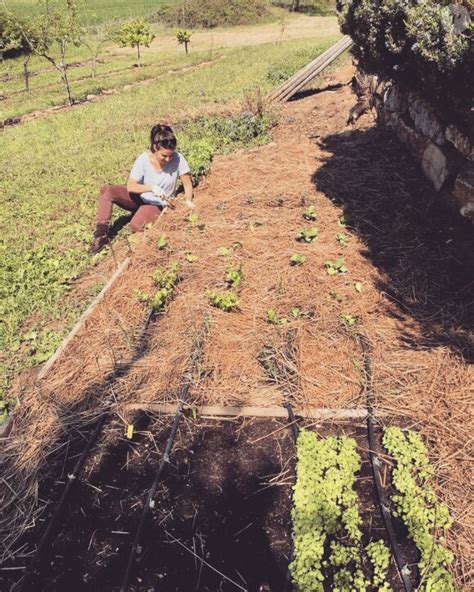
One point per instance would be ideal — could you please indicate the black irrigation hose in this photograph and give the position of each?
(136, 549)
(30, 572)
(403, 568)
(295, 429)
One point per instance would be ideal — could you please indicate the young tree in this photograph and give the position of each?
(134, 34)
(31, 39)
(56, 27)
(94, 44)
(184, 37)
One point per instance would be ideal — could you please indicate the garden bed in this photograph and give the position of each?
(223, 508)
(383, 261)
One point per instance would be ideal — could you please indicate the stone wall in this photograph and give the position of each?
(444, 151)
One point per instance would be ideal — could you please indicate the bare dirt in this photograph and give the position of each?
(409, 254)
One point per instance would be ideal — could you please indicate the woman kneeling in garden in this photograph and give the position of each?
(151, 186)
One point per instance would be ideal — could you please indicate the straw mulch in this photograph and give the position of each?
(413, 307)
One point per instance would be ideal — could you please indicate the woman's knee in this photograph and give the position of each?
(146, 214)
(105, 192)
(136, 225)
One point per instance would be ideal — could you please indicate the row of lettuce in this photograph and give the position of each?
(329, 547)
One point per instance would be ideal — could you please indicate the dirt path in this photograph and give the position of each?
(292, 27)
(407, 261)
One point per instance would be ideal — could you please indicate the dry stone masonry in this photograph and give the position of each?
(444, 150)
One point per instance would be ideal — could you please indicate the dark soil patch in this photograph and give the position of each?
(217, 499)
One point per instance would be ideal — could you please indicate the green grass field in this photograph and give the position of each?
(94, 12)
(53, 167)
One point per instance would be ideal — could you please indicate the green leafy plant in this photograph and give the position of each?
(223, 252)
(335, 267)
(297, 259)
(307, 235)
(348, 320)
(310, 213)
(162, 242)
(418, 506)
(341, 238)
(193, 218)
(296, 313)
(226, 301)
(379, 557)
(415, 43)
(135, 33)
(274, 319)
(326, 506)
(164, 280)
(233, 275)
(343, 220)
(184, 38)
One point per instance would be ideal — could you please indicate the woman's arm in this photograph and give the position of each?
(188, 187)
(136, 187)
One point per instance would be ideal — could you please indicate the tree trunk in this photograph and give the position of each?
(63, 70)
(295, 6)
(186, 46)
(26, 74)
(138, 53)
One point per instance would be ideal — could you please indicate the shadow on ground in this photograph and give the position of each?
(424, 250)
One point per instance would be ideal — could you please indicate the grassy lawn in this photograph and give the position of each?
(94, 12)
(53, 167)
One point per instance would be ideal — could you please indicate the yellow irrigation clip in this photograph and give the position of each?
(130, 431)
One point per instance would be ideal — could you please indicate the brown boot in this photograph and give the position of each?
(100, 238)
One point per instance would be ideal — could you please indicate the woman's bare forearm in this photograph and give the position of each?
(188, 187)
(136, 187)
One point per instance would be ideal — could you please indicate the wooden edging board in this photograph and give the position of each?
(211, 411)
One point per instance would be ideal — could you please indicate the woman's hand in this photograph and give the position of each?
(158, 191)
(189, 204)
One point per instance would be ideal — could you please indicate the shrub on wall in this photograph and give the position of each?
(416, 42)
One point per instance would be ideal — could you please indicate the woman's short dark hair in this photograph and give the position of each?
(162, 136)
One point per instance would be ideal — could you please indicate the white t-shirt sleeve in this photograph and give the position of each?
(138, 170)
(183, 166)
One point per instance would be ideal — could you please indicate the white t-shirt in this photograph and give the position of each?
(144, 172)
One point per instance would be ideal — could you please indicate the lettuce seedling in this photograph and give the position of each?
(162, 242)
(297, 259)
(310, 213)
(307, 235)
(226, 301)
(335, 267)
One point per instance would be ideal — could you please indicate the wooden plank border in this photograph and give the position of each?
(216, 411)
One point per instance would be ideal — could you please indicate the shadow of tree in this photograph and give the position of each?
(424, 250)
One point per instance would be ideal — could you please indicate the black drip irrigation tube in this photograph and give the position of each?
(403, 568)
(136, 549)
(26, 583)
(295, 429)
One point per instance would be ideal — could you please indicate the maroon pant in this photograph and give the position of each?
(132, 202)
